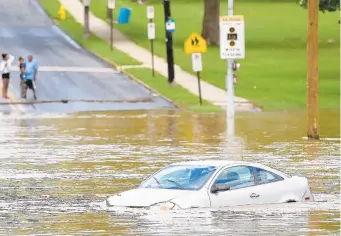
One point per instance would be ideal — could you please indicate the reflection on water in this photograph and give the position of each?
(57, 169)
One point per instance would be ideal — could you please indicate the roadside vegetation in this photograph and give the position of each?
(176, 93)
(273, 74)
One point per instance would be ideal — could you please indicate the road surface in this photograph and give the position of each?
(66, 70)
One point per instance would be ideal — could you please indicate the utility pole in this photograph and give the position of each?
(111, 6)
(312, 70)
(86, 19)
(169, 43)
(230, 84)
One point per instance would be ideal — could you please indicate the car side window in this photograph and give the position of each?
(237, 177)
(264, 176)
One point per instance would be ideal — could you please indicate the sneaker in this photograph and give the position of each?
(6, 97)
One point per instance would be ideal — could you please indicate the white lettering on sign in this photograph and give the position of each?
(232, 37)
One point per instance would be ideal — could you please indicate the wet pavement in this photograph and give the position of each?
(67, 71)
(56, 170)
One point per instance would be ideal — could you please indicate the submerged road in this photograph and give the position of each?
(66, 70)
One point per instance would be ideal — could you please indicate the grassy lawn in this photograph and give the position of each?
(273, 74)
(176, 93)
(93, 44)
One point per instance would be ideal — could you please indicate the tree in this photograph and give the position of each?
(210, 26)
(325, 5)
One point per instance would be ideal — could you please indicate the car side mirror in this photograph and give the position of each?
(219, 188)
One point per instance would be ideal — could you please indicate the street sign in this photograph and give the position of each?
(232, 37)
(151, 30)
(195, 44)
(111, 4)
(150, 12)
(196, 62)
(170, 25)
(86, 3)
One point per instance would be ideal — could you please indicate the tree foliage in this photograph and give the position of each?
(325, 5)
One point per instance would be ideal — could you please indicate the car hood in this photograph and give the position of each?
(143, 197)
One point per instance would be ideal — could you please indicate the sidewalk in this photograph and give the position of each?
(101, 29)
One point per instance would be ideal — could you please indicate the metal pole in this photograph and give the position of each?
(111, 29)
(152, 47)
(169, 43)
(230, 84)
(86, 19)
(199, 86)
(152, 50)
(109, 12)
(312, 70)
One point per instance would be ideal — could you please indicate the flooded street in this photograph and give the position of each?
(57, 169)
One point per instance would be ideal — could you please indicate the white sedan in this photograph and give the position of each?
(214, 184)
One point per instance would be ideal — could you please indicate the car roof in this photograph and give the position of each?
(219, 163)
(224, 163)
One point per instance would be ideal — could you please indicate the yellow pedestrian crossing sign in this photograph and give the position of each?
(195, 44)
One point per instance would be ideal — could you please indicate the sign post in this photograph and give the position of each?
(111, 6)
(197, 67)
(170, 27)
(196, 45)
(151, 33)
(86, 18)
(232, 46)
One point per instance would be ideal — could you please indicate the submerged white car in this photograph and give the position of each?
(214, 184)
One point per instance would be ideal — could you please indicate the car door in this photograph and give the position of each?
(242, 185)
(271, 187)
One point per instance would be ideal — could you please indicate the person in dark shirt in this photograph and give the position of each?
(23, 86)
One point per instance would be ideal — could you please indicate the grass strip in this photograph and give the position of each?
(177, 94)
(273, 73)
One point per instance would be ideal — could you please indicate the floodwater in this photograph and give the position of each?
(57, 169)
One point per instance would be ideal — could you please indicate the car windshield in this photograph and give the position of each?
(184, 177)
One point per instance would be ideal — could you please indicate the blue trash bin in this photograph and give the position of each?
(124, 15)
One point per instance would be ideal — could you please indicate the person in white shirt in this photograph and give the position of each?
(5, 70)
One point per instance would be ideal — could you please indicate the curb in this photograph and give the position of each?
(133, 77)
(112, 63)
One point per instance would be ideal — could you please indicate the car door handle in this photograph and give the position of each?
(254, 195)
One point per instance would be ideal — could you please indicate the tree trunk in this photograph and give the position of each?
(210, 26)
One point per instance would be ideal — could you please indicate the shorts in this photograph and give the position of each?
(22, 76)
(29, 84)
(5, 76)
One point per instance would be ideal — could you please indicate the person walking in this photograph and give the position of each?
(5, 70)
(31, 69)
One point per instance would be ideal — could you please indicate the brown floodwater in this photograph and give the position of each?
(57, 169)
